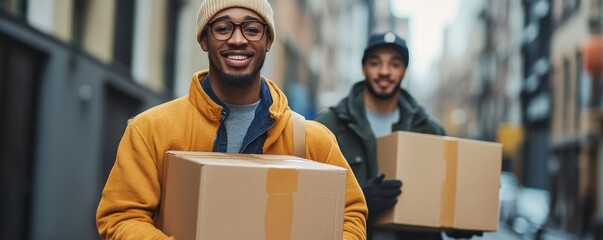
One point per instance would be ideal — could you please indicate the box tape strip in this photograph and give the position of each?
(280, 186)
(449, 189)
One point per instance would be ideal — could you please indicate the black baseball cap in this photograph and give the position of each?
(387, 39)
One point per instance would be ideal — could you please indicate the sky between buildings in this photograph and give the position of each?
(427, 20)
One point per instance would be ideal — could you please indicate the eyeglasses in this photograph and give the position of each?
(252, 30)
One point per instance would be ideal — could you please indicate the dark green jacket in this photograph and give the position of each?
(348, 122)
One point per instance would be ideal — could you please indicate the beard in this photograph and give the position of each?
(382, 96)
(238, 81)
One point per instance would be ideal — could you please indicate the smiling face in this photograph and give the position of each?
(236, 62)
(384, 70)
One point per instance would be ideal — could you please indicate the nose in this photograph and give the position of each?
(237, 37)
(384, 70)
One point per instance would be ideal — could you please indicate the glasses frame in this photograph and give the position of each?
(240, 26)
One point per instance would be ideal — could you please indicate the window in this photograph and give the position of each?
(569, 8)
(80, 11)
(566, 94)
(173, 11)
(17, 7)
(578, 90)
(124, 32)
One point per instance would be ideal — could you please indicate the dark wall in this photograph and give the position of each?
(63, 114)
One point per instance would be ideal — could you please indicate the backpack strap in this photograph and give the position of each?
(298, 123)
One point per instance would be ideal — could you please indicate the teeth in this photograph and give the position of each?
(237, 57)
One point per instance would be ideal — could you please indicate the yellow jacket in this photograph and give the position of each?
(132, 192)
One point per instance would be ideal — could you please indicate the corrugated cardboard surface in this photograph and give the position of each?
(448, 182)
(242, 196)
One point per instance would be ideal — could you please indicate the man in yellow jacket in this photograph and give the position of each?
(230, 108)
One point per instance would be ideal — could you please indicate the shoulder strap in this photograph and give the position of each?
(298, 123)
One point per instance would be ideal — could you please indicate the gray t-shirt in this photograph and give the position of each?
(238, 122)
(381, 123)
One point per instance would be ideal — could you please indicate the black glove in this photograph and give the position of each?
(463, 234)
(381, 194)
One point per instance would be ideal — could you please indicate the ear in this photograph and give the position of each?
(269, 42)
(202, 38)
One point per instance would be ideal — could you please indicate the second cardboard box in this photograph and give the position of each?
(448, 183)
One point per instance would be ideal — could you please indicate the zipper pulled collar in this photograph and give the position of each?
(254, 139)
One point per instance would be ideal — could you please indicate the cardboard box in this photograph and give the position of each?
(447, 182)
(244, 196)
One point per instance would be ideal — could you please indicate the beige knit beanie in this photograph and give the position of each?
(210, 7)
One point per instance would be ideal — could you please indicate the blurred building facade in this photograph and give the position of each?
(480, 71)
(574, 150)
(317, 51)
(68, 87)
(561, 112)
(72, 72)
(519, 75)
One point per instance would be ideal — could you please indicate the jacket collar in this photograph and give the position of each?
(210, 108)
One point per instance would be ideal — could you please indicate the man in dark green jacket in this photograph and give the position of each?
(375, 107)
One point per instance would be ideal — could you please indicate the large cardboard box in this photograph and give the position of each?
(242, 196)
(447, 182)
